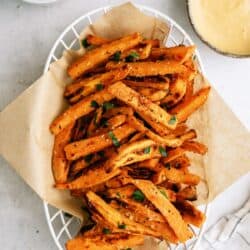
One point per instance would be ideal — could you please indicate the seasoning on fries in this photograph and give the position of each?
(121, 144)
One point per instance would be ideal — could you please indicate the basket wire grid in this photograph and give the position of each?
(63, 226)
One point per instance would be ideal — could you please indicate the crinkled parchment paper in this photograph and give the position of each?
(26, 142)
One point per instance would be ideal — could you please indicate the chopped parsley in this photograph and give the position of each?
(132, 57)
(147, 150)
(121, 226)
(168, 165)
(117, 56)
(94, 104)
(138, 196)
(106, 231)
(114, 139)
(85, 43)
(108, 105)
(162, 151)
(163, 193)
(88, 158)
(172, 120)
(99, 86)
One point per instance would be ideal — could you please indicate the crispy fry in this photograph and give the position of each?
(96, 40)
(93, 58)
(150, 164)
(60, 165)
(142, 105)
(189, 135)
(190, 213)
(78, 149)
(175, 175)
(178, 53)
(185, 109)
(173, 154)
(118, 111)
(80, 109)
(195, 147)
(116, 219)
(182, 162)
(166, 208)
(148, 84)
(116, 121)
(89, 179)
(176, 92)
(140, 69)
(137, 137)
(187, 193)
(86, 86)
(151, 94)
(155, 43)
(114, 241)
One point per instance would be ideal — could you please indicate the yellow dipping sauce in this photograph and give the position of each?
(224, 24)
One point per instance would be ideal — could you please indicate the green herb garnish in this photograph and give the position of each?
(132, 57)
(85, 43)
(88, 158)
(117, 56)
(147, 150)
(114, 139)
(172, 120)
(99, 86)
(168, 165)
(138, 196)
(108, 105)
(94, 104)
(106, 231)
(163, 152)
(163, 193)
(121, 226)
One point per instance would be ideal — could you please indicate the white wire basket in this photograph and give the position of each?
(62, 225)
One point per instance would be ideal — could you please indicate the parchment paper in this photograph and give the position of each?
(26, 143)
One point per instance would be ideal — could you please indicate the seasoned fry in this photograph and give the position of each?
(151, 94)
(137, 137)
(178, 53)
(140, 69)
(190, 213)
(78, 149)
(116, 121)
(96, 40)
(118, 111)
(185, 109)
(150, 164)
(92, 178)
(166, 208)
(187, 193)
(93, 58)
(86, 86)
(195, 147)
(142, 104)
(173, 154)
(175, 175)
(116, 219)
(60, 165)
(155, 43)
(82, 108)
(148, 84)
(176, 92)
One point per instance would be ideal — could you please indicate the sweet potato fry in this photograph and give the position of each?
(176, 176)
(93, 58)
(187, 193)
(116, 121)
(60, 165)
(142, 105)
(114, 241)
(116, 219)
(82, 108)
(190, 213)
(151, 94)
(166, 208)
(89, 179)
(140, 69)
(140, 217)
(178, 53)
(78, 149)
(86, 86)
(96, 40)
(148, 84)
(176, 92)
(195, 147)
(173, 154)
(185, 109)
(150, 164)
(119, 111)
(189, 135)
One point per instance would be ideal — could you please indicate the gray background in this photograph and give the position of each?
(27, 34)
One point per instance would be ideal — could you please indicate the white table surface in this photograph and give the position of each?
(27, 34)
